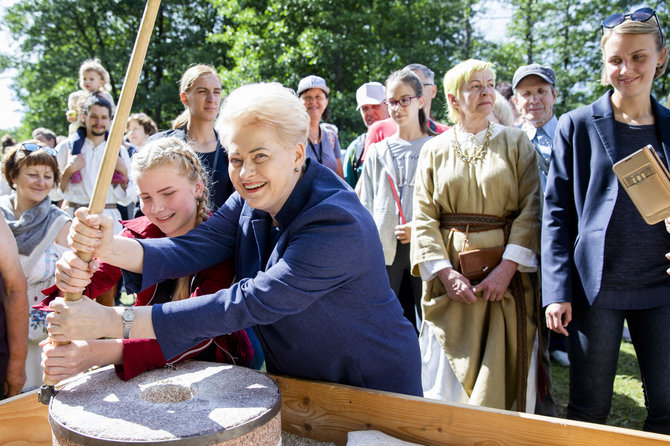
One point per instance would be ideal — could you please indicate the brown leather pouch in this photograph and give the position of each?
(478, 263)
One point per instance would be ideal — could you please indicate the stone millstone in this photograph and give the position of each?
(193, 403)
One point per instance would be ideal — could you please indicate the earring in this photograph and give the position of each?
(296, 169)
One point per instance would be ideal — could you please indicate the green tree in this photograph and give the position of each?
(349, 42)
(58, 35)
(565, 34)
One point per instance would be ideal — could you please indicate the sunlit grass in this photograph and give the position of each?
(628, 400)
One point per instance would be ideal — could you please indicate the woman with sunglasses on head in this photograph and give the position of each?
(477, 190)
(601, 263)
(388, 184)
(40, 230)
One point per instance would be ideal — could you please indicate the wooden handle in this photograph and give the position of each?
(104, 179)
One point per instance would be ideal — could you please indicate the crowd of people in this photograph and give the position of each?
(460, 257)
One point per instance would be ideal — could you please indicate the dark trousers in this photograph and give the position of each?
(594, 341)
(406, 287)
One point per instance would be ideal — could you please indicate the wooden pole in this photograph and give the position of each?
(104, 179)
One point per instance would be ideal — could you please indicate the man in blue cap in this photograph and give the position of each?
(535, 95)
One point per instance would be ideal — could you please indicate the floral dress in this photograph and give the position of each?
(39, 275)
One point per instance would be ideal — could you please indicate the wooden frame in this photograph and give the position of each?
(326, 412)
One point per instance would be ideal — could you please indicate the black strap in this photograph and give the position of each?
(358, 152)
(319, 154)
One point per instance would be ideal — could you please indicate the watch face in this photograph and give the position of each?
(128, 314)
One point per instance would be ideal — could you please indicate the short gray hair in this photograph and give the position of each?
(427, 72)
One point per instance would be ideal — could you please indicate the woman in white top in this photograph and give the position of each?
(388, 184)
(40, 230)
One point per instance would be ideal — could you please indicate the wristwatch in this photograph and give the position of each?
(128, 316)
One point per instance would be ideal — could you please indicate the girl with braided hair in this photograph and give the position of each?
(173, 193)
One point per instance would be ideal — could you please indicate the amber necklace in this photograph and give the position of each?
(480, 152)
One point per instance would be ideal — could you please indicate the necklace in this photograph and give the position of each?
(480, 152)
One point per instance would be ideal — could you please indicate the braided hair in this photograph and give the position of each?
(176, 153)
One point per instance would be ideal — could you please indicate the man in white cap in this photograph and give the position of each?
(370, 99)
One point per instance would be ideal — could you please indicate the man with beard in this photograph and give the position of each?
(80, 158)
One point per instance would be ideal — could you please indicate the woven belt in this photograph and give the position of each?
(79, 205)
(472, 222)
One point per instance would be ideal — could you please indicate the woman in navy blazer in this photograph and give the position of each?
(309, 263)
(601, 263)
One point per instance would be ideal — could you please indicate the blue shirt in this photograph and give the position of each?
(315, 287)
(543, 140)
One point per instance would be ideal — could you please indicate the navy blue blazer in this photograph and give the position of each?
(580, 197)
(315, 288)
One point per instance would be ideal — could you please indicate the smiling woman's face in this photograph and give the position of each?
(169, 199)
(261, 169)
(315, 101)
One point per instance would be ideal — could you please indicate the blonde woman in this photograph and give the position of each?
(173, 191)
(601, 263)
(200, 92)
(329, 317)
(477, 188)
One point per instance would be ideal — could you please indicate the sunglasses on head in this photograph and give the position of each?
(31, 147)
(640, 15)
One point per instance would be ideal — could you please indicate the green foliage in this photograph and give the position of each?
(58, 35)
(565, 34)
(348, 43)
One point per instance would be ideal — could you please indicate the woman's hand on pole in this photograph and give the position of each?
(92, 233)
(73, 274)
(456, 285)
(82, 319)
(63, 361)
(558, 316)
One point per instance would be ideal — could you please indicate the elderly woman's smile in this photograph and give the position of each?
(262, 171)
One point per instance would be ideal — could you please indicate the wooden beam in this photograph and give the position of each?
(326, 412)
(24, 421)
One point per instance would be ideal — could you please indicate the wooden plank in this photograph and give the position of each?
(326, 412)
(24, 421)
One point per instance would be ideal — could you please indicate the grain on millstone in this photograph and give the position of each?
(223, 397)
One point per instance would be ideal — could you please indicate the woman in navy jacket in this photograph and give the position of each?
(601, 263)
(307, 255)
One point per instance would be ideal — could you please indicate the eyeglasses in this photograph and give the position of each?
(404, 101)
(31, 147)
(640, 15)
